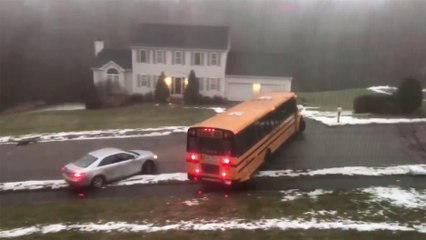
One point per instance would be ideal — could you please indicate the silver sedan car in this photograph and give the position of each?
(108, 164)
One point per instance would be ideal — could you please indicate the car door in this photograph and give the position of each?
(108, 167)
(129, 164)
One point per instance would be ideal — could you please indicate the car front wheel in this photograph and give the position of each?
(148, 167)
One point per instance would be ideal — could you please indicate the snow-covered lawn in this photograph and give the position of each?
(203, 225)
(412, 170)
(96, 134)
(373, 209)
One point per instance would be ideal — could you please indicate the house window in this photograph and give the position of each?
(143, 81)
(214, 59)
(197, 58)
(213, 84)
(143, 56)
(160, 57)
(113, 75)
(179, 57)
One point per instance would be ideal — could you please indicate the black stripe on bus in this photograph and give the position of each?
(262, 145)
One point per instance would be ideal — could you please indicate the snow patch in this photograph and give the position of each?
(349, 171)
(419, 169)
(388, 90)
(216, 109)
(293, 194)
(215, 225)
(346, 118)
(64, 107)
(193, 202)
(96, 134)
(398, 197)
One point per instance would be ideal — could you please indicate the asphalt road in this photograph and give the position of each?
(318, 147)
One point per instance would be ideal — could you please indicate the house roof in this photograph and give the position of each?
(258, 64)
(182, 36)
(122, 57)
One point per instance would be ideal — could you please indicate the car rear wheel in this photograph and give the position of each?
(148, 167)
(98, 182)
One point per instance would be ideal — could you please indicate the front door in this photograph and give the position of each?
(178, 86)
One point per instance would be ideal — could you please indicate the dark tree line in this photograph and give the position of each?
(46, 46)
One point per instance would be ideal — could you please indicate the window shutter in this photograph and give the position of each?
(218, 59)
(202, 59)
(183, 57)
(218, 84)
(208, 59)
(207, 84)
(148, 79)
(164, 57)
(174, 57)
(192, 58)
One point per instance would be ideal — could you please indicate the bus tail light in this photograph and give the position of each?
(192, 157)
(226, 161)
(197, 171)
(224, 174)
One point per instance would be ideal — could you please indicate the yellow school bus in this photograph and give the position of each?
(231, 146)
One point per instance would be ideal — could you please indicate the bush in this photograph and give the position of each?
(219, 100)
(135, 98)
(216, 100)
(191, 94)
(409, 95)
(91, 98)
(381, 104)
(162, 92)
(149, 97)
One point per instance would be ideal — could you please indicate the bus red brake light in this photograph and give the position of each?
(192, 157)
(223, 174)
(197, 171)
(226, 161)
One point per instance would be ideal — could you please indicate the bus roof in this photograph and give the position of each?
(240, 116)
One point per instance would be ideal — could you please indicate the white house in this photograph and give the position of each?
(178, 49)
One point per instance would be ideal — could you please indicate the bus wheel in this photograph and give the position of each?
(302, 125)
(268, 156)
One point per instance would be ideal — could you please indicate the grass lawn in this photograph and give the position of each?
(330, 100)
(136, 116)
(349, 205)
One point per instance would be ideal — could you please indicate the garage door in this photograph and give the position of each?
(239, 91)
(271, 88)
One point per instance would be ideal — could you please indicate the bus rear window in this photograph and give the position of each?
(211, 146)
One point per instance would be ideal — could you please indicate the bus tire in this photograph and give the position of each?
(302, 125)
(268, 156)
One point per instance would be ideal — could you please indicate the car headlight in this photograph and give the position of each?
(155, 157)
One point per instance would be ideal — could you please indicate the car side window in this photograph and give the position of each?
(109, 160)
(125, 157)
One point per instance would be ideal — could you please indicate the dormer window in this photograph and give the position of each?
(113, 75)
(142, 56)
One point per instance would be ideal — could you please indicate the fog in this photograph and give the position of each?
(46, 48)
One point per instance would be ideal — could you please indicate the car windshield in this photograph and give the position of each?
(85, 161)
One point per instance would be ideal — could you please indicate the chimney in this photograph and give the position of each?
(99, 46)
